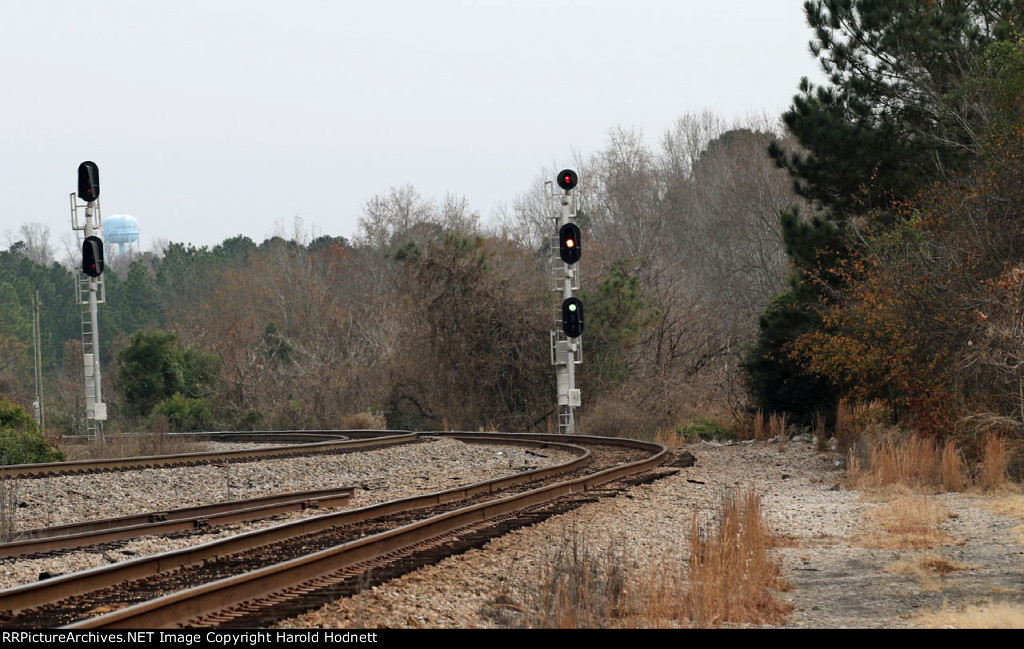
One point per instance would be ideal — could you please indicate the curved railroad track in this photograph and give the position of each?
(88, 533)
(290, 445)
(257, 578)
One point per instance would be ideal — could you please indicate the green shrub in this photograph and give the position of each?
(251, 419)
(701, 428)
(184, 414)
(20, 439)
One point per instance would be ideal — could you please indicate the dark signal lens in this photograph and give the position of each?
(567, 179)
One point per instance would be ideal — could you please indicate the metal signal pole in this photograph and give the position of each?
(566, 348)
(90, 292)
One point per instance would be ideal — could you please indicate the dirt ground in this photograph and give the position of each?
(976, 564)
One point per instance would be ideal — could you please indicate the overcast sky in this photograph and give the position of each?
(214, 118)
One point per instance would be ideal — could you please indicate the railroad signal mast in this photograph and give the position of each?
(566, 348)
(90, 290)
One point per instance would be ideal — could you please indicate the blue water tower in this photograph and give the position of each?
(122, 230)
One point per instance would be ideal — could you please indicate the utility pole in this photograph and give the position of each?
(38, 405)
(90, 292)
(566, 348)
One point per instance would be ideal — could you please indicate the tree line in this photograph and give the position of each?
(867, 247)
(905, 287)
(429, 317)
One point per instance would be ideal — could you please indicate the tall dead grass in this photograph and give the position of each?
(995, 458)
(118, 445)
(769, 425)
(917, 462)
(731, 576)
(914, 462)
(728, 579)
(581, 587)
(368, 421)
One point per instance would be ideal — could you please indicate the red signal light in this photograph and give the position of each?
(567, 179)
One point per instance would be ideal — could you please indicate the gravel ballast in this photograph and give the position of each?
(377, 476)
(835, 580)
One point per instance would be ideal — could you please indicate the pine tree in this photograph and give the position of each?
(885, 123)
(891, 119)
(777, 381)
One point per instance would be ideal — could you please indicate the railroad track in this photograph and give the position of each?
(76, 535)
(256, 578)
(291, 445)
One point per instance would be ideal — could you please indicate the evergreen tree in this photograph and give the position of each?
(891, 119)
(885, 123)
(778, 381)
(618, 312)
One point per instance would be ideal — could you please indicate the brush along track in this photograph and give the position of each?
(293, 444)
(219, 575)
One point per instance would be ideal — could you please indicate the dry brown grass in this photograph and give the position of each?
(856, 421)
(995, 458)
(845, 431)
(928, 567)
(925, 565)
(913, 522)
(670, 438)
(903, 471)
(820, 433)
(728, 579)
(919, 463)
(983, 616)
(580, 588)
(915, 462)
(759, 426)
(907, 522)
(1009, 504)
(731, 577)
(768, 426)
(118, 445)
(365, 421)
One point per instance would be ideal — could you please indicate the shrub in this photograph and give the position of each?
(27, 448)
(20, 439)
(184, 414)
(364, 421)
(701, 428)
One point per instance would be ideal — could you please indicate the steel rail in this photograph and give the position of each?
(208, 599)
(19, 598)
(192, 459)
(75, 535)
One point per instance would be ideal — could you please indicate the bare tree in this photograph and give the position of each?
(696, 222)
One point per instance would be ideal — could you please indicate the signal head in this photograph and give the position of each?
(92, 256)
(567, 179)
(88, 181)
(572, 317)
(569, 243)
